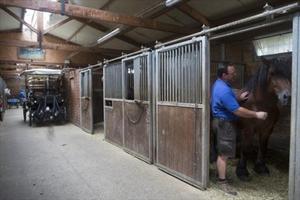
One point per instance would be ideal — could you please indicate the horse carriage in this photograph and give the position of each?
(44, 96)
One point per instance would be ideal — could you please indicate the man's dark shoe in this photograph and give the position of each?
(225, 187)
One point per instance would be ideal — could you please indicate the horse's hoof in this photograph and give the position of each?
(245, 178)
(261, 169)
(242, 174)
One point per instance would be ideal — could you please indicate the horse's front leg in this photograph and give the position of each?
(260, 166)
(241, 169)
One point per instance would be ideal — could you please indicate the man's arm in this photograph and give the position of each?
(245, 113)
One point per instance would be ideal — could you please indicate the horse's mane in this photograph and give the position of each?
(280, 68)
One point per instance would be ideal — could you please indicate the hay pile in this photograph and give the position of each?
(270, 187)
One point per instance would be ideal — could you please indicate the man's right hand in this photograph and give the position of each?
(261, 115)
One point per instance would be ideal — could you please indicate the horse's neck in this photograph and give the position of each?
(262, 100)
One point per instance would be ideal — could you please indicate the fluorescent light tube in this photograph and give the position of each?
(109, 35)
(170, 3)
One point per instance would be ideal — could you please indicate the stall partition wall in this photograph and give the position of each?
(137, 117)
(182, 110)
(86, 101)
(113, 103)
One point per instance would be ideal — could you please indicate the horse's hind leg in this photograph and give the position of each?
(241, 169)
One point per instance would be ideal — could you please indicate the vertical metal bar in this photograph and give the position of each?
(176, 74)
(205, 111)
(189, 72)
(185, 74)
(193, 74)
(294, 172)
(171, 75)
(167, 75)
(164, 70)
(181, 74)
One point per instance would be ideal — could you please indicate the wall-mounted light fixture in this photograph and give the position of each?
(170, 3)
(109, 35)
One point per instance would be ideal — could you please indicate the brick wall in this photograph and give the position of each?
(72, 88)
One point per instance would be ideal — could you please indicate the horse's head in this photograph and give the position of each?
(279, 78)
(273, 77)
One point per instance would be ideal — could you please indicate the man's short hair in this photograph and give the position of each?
(223, 68)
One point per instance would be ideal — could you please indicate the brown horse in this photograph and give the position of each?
(269, 87)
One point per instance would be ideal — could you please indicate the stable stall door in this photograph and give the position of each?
(182, 110)
(86, 102)
(137, 107)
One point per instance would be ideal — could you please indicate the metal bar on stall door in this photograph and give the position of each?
(167, 75)
(163, 69)
(181, 75)
(185, 74)
(189, 54)
(172, 75)
(193, 74)
(176, 75)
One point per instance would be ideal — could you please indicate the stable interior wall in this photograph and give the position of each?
(10, 53)
(72, 88)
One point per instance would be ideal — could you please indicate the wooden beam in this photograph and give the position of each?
(94, 14)
(62, 22)
(13, 62)
(20, 19)
(185, 8)
(10, 30)
(57, 46)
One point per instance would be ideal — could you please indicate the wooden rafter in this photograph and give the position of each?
(185, 8)
(62, 22)
(105, 6)
(10, 30)
(94, 14)
(20, 19)
(57, 46)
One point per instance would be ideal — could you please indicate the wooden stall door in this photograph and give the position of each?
(137, 109)
(182, 111)
(113, 103)
(86, 101)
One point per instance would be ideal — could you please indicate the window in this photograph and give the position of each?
(273, 45)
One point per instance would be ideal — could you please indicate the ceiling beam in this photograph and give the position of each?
(20, 19)
(94, 14)
(57, 46)
(10, 30)
(188, 10)
(62, 22)
(13, 62)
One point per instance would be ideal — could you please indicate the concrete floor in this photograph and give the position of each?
(63, 162)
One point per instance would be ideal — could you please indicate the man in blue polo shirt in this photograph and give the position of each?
(225, 111)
